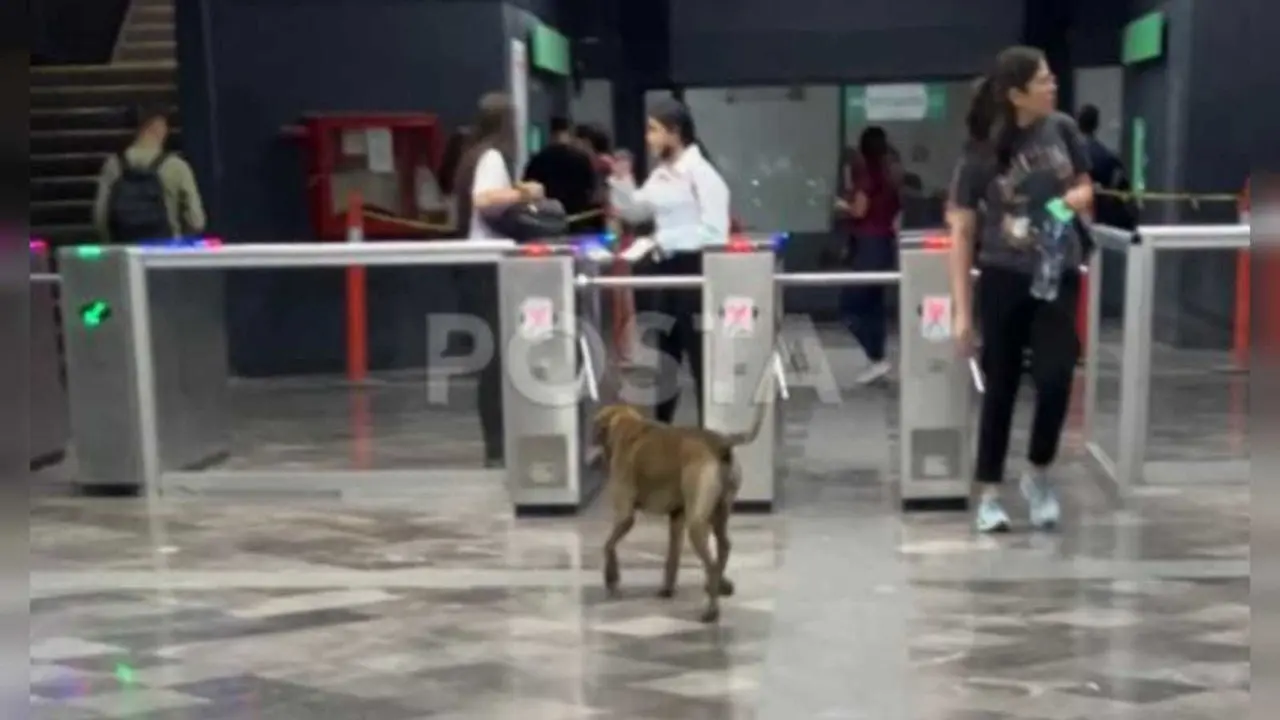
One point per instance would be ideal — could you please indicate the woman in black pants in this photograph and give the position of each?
(688, 203)
(1016, 194)
(483, 184)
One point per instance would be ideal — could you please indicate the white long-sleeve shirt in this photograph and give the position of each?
(686, 199)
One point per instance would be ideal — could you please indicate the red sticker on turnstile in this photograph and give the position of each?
(935, 317)
(537, 318)
(738, 315)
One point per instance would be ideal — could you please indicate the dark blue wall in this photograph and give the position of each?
(1198, 101)
(74, 32)
(767, 41)
(251, 67)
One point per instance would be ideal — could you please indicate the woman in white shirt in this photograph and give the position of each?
(484, 182)
(688, 202)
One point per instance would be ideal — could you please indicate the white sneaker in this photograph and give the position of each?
(877, 371)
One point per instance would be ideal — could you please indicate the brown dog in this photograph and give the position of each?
(687, 474)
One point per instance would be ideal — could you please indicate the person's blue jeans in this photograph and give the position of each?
(863, 307)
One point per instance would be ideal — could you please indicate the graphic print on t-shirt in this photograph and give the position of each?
(1016, 217)
(1037, 174)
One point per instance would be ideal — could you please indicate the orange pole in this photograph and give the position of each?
(1244, 310)
(357, 298)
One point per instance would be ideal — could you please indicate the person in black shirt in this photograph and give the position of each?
(1108, 174)
(567, 174)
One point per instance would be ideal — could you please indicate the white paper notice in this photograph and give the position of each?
(537, 318)
(738, 315)
(353, 144)
(935, 317)
(378, 144)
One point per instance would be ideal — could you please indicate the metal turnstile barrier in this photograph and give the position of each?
(549, 331)
(935, 393)
(49, 425)
(147, 364)
(1117, 438)
(118, 387)
(740, 334)
(547, 441)
(935, 390)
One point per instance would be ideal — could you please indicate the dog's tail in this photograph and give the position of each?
(733, 440)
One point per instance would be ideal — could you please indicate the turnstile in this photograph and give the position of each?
(935, 389)
(739, 337)
(184, 344)
(48, 394)
(548, 339)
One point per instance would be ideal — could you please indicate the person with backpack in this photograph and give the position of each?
(144, 191)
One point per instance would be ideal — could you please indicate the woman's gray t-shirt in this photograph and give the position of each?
(1046, 160)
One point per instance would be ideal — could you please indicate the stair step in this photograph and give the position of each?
(75, 187)
(135, 33)
(67, 164)
(130, 95)
(55, 142)
(136, 51)
(80, 140)
(59, 235)
(61, 212)
(146, 73)
(111, 117)
(152, 13)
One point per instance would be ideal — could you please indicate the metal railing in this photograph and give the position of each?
(1125, 467)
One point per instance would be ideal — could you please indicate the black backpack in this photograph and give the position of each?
(136, 209)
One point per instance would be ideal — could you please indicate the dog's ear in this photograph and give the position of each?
(603, 423)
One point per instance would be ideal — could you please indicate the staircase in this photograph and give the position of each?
(80, 115)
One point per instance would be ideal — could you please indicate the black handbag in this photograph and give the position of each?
(528, 221)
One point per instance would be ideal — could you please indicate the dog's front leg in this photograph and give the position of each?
(675, 544)
(612, 576)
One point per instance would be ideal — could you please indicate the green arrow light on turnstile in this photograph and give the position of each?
(94, 313)
(88, 251)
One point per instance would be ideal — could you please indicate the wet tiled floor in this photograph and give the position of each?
(446, 607)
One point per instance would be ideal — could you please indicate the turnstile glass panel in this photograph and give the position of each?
(250, 383)
(291, 402)
(1198, 412)
(1110, 281)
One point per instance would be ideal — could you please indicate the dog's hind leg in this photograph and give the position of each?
(612, 576)
(699, 514)
(675, 543)
(720, 523)
(720, 526)
(700, 539)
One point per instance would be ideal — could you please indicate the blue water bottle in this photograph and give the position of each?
(1053, 251)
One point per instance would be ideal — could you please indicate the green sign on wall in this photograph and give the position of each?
(549, 50)
(1143, 39)
(535, 139)
(896, 102)
(1138, 148)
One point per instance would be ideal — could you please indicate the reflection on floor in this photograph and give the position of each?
(447, 608)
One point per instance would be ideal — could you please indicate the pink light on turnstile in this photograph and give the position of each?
(38, 246)
(937, 242)
(212, 242)
(536, 249)
(740, 243)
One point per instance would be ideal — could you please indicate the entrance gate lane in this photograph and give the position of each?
(148, 382)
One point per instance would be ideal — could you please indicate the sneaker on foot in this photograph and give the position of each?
(1042, 500)
(991, 516)
(877, 371)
